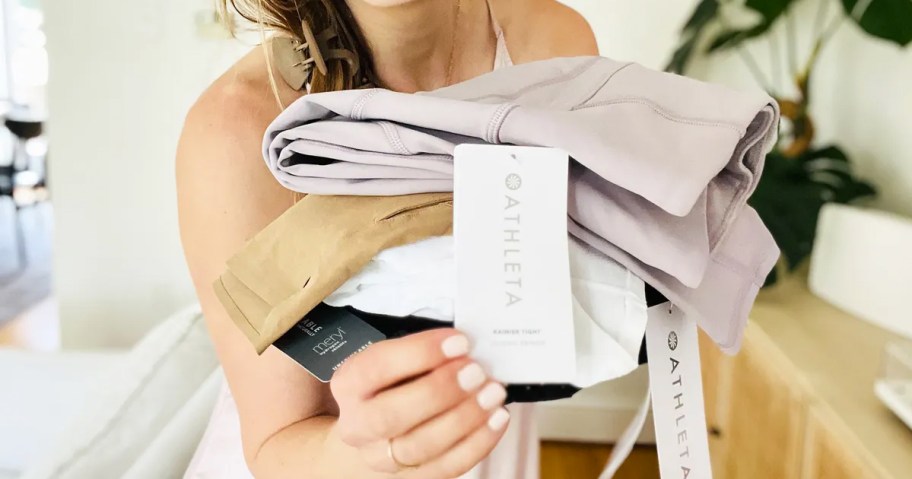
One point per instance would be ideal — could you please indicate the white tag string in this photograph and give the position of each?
(624, 445)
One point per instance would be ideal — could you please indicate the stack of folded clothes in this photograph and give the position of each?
(662, 167)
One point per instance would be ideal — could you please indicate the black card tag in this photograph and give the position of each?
(325, 338)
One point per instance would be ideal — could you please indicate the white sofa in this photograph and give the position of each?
(134, 414)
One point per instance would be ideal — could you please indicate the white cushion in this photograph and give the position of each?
(169, 453)
(130, 407)
(39, 392)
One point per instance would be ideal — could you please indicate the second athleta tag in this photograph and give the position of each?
(677, 394)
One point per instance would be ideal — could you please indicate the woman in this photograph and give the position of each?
(414, 407)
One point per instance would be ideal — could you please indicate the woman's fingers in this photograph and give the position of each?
(442, 412)
(450, 442)
(395, 411)
(395, 385)
(468, 452)
(435, 437)
(389, 362)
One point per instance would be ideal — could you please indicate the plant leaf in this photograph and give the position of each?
(681, 57)
(771, 278)
(725, 39)
(734, 37)
(706, 11)
(853, 192)
(887, 19)
(793, 190)
(770, 9)
(831, 152)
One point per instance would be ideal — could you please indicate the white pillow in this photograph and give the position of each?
(130, 407)
(170, 452)
(38, 392)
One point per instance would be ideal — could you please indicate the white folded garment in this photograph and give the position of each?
(419, 279)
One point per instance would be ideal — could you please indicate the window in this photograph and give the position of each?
(23, 56)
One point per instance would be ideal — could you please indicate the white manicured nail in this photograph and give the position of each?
(455, 346)
(491, 396)
(499, 419)
(470, 377)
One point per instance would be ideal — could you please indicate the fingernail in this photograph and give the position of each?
(491, 396)
(456, 345)
(470, 377)
(499, 419)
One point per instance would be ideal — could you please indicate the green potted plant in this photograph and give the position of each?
(800, 175)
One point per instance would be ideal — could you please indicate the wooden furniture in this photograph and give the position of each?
(571, 460)
(798, 401)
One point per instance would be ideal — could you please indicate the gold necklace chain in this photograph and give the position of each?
(452, 61)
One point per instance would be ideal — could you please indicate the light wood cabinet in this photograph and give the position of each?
(797, 402)
(715, 388)
(827, 456)
(764, 425)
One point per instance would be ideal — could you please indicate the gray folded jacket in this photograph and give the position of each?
(663, 164)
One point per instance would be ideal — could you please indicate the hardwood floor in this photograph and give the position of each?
(564, 460)
(37, 329)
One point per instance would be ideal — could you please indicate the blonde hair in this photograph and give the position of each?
(288, 16)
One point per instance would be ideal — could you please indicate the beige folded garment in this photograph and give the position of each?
(308, 252)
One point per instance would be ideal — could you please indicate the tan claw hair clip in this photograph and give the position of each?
(297, 58)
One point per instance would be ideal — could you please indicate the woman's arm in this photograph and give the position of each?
(443, 412)
(225, 196)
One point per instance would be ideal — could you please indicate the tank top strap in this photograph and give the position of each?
(501, 54)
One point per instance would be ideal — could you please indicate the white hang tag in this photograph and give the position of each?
(513, 295)
(677, 394)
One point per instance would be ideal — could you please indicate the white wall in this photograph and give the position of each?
(5, 34)
(644, 31)
(123, 73)
(864, 101)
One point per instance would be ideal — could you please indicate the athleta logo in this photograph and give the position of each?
(681, 419)
(513, 181)
(332, 343)
(512, 230)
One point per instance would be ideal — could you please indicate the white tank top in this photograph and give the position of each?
(501, 54)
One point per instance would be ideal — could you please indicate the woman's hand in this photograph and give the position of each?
(418, 407)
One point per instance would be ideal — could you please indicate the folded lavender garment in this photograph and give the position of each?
(663, 165)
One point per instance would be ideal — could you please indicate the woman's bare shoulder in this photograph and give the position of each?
(224, 187)
(240, 103)
(542, 29)
(235, 108)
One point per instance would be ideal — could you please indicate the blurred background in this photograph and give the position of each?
(93, 96)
